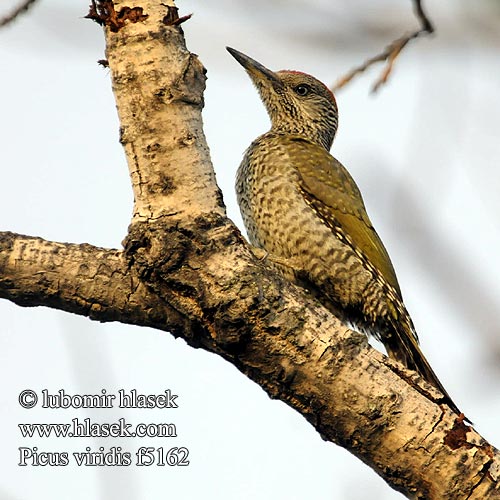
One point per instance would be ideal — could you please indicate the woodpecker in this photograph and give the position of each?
(303, 208)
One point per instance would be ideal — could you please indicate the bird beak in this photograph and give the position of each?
(259, 74)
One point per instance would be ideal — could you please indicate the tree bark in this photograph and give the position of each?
(186, 269)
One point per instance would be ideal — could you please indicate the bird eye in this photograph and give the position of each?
(302, 89)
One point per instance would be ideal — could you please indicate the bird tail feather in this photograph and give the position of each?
(403, 346)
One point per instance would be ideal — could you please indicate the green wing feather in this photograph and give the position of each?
(332, 190)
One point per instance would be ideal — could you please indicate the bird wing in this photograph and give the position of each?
(332, 192)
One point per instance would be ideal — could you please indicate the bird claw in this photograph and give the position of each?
(264, 256)
(259, 253)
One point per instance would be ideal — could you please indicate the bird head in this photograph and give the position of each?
(297, 103)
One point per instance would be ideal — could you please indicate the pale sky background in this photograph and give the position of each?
(424, 151)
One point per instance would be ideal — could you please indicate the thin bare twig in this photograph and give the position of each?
(391, 52)
(22, 7)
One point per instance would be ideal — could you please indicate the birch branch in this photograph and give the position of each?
(186, 269)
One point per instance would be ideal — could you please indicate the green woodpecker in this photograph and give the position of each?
(304, 209)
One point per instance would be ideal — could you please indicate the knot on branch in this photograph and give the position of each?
(190, 85)
(184, 266)
(163, 251)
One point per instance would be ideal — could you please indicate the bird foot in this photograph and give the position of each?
(265, 256)
(259, 253)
